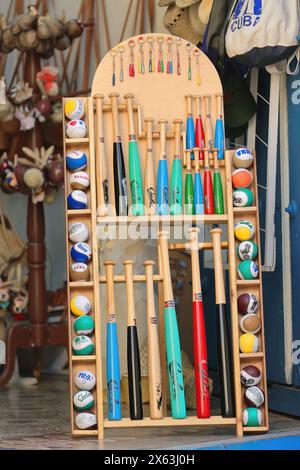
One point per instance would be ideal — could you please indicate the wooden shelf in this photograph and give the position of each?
(244, 210)
(84, 432)
(136, 278)
(79, 212)
(253, 283)
(172, 219)
(251, 355)
(84, 140)
(168, 421)
(90, 358)
(81, 284)
(260, 429)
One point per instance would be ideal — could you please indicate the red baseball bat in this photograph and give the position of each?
(200, 350)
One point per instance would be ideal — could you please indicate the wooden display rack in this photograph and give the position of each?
(158, 95)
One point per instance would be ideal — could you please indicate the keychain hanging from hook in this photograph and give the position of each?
(160, 65)
(151, 66)
(131, 45)
(170, 55)
(113, 54)
(188, 48)
(141, 64)
(178, 43)
(121, 51)
(198, 74)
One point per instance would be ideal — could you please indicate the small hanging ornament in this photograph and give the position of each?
(198, 75)
(151, 66)
(178, 44)
(113, 54)
(131, 45)
(170, 55)
(160, 65)
(188, 48)
(141, 65)
(121, 51)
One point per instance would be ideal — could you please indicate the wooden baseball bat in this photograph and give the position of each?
(120, 182)
(101, 166)
(133, 352)
(188, 186)
(149, 179)
(208, 186)
(218, 189)
(219, 129)
(135, 175)
(154, 365)
(223, 339)
(162, 173)
(199, 334)
(199, 130)
(176, 179)
(112, 349)
(174, 364)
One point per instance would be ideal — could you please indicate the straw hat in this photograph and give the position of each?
(181, 23)
(187, 18)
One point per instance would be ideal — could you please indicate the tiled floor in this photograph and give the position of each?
(38, 418)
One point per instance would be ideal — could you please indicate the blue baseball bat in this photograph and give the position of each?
(162, 186)
(112, 351)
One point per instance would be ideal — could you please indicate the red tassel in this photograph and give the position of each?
(131, 70)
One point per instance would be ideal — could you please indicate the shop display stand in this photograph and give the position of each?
(173, 89)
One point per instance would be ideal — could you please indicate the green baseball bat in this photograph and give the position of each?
(136, 186)
(176, 181)
(189, 186)
(218, 189)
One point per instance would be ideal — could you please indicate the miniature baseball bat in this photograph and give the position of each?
(224, 349)
(112, 350)
(199, 130)
(188, 186)
(133, 352)
(199, 334)
(207, 186)
(135, 177)
(190, 130)
(218, 190)
(198, 189)
(176, 180)
(120, 182)
(154, 365)
(219, 129)
(101, 167)
(162, 173)
(149, 179)
(174, 364)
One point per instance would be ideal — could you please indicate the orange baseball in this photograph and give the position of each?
(241, 178)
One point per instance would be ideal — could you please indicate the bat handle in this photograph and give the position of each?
(177, 136)
(189, 105)
(219, 98)
(109, 265)
(128, 265)
(129, 102)
(162, 132)
(198, 105)
(149, 131)
(216, 234)
(197, 151)
(114, 108)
